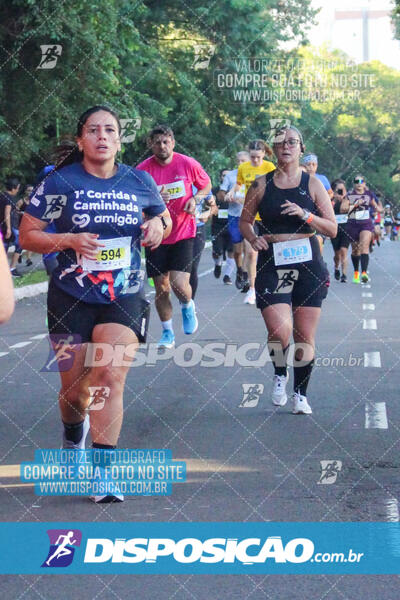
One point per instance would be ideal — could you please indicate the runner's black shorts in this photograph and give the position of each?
(170, 257)
(68, 315)
(296, 284)
(342, 240)
(221, 239)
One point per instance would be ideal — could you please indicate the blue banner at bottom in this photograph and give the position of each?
(200, 548)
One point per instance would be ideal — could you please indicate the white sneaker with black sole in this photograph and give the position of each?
(113, 493)
(300, 405)
(279, 396)
(250, 297)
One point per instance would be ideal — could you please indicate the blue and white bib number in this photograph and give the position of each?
(115, 254)
(340, 219)
(292, 251)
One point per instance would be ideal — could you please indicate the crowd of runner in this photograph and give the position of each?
(269, 220)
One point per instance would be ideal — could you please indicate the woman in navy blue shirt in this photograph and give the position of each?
(95, 205)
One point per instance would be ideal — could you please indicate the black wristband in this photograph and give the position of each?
(163, 221)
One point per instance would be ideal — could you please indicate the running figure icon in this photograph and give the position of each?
(65, 350)
(329, 471)
(62, 549)
(55, 203)
(50, 55)
(287, 278)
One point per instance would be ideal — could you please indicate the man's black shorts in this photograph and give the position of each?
(221, 240)
(297, 284)
(170, 257)
(66, 314)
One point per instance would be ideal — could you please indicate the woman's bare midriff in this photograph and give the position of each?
(284, 237)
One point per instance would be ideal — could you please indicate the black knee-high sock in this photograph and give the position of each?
(73, 431)
(364, 262)
(356, 261)
(101, 458)
(302, 377)
(278, 357)
(103, 446)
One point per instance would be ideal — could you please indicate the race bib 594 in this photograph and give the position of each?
(116, 254)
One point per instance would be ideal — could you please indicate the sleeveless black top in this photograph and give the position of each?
(271, 203)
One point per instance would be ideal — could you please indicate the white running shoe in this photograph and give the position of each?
(279, 396)
(114, 497)
(300, 405)
(111, 490)
(250, 297)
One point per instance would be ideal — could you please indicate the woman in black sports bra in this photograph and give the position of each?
(292, 278)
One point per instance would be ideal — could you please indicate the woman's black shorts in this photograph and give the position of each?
(342, 240)
(298, 284)
(68, 315)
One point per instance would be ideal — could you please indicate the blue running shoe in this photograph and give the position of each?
(190, 322)
(167, 339)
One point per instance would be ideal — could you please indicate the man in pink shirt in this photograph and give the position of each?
(170, 264)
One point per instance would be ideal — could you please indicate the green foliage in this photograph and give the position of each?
(139, 57)
(359, 132)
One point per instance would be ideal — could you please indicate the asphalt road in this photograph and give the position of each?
(249, 462)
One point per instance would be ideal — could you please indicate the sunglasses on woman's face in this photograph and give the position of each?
(292, 142)
(359, 180)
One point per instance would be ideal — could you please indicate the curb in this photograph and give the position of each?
(28, 291)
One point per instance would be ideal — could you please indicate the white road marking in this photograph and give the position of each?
(366, 294)
(369, 324)
(372, 359)
(368, 306)
(206, 272)
(392, 510)
(199, 275)
(367, 285)
(375, 415)
(20, 344)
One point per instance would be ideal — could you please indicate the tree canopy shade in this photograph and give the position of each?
(174, 62)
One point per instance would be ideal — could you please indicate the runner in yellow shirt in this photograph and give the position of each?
(247, 173)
